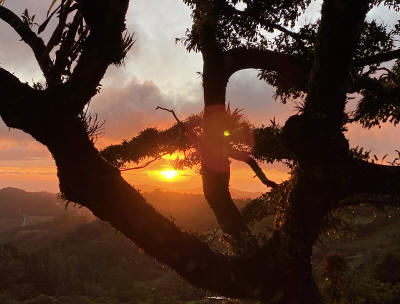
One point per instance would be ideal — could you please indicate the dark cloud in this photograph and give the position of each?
(131, 108)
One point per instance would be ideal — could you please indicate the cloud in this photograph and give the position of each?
(155, 54)
(16, 145)
(131, 108)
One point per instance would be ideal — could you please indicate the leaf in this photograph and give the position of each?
(51, 6)
(43, 26)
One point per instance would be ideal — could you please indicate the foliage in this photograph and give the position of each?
(185, 137)
(72, 270)
(380, 102)
(362, 285)
(237, 28)
(334, 266)
(272, 203)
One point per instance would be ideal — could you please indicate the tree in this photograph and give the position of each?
(341, 53)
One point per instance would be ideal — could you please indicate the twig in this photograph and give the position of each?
(145, 165)
(171, 111)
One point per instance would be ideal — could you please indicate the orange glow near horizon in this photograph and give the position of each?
(173, 156)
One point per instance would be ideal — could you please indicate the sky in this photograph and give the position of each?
(157, 72)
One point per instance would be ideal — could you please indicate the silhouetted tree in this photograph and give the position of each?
(341, 53)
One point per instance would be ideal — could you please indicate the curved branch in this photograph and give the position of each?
(36, 43)
(144, 165)
(245, 157)
(289, 67)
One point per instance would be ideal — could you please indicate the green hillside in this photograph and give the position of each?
(70, 261)
(69, 257)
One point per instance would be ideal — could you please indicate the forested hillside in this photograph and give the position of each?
(65, 255)
(73, 258)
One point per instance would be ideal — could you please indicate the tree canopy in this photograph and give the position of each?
(342, 53)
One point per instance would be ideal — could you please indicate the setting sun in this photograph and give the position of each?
(169, 174)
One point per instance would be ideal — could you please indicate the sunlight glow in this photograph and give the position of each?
(169, 174)
(173, 156)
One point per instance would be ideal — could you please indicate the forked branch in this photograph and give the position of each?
(170, 111)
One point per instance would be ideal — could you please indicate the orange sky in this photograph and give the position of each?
(157, 72)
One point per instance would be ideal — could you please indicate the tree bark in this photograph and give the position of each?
(215, 165)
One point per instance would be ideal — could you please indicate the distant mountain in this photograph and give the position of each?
(69, 261)
(188, 209)
(236, 193)
(21, 208)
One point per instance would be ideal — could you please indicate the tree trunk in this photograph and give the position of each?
(215, 165)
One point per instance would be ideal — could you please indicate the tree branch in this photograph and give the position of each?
(378, 58)
(103, 46)
(245, 157)
(17, 101)
(87, 179)
(66, 54)
(36, 44)
(289, 67)
(144, 165)
(171, 111)
(338, 36)
(369, 178)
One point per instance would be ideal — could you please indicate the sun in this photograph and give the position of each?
(169, 174)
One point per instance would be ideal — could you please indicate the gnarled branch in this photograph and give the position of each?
(245, 157)
(287, 66)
